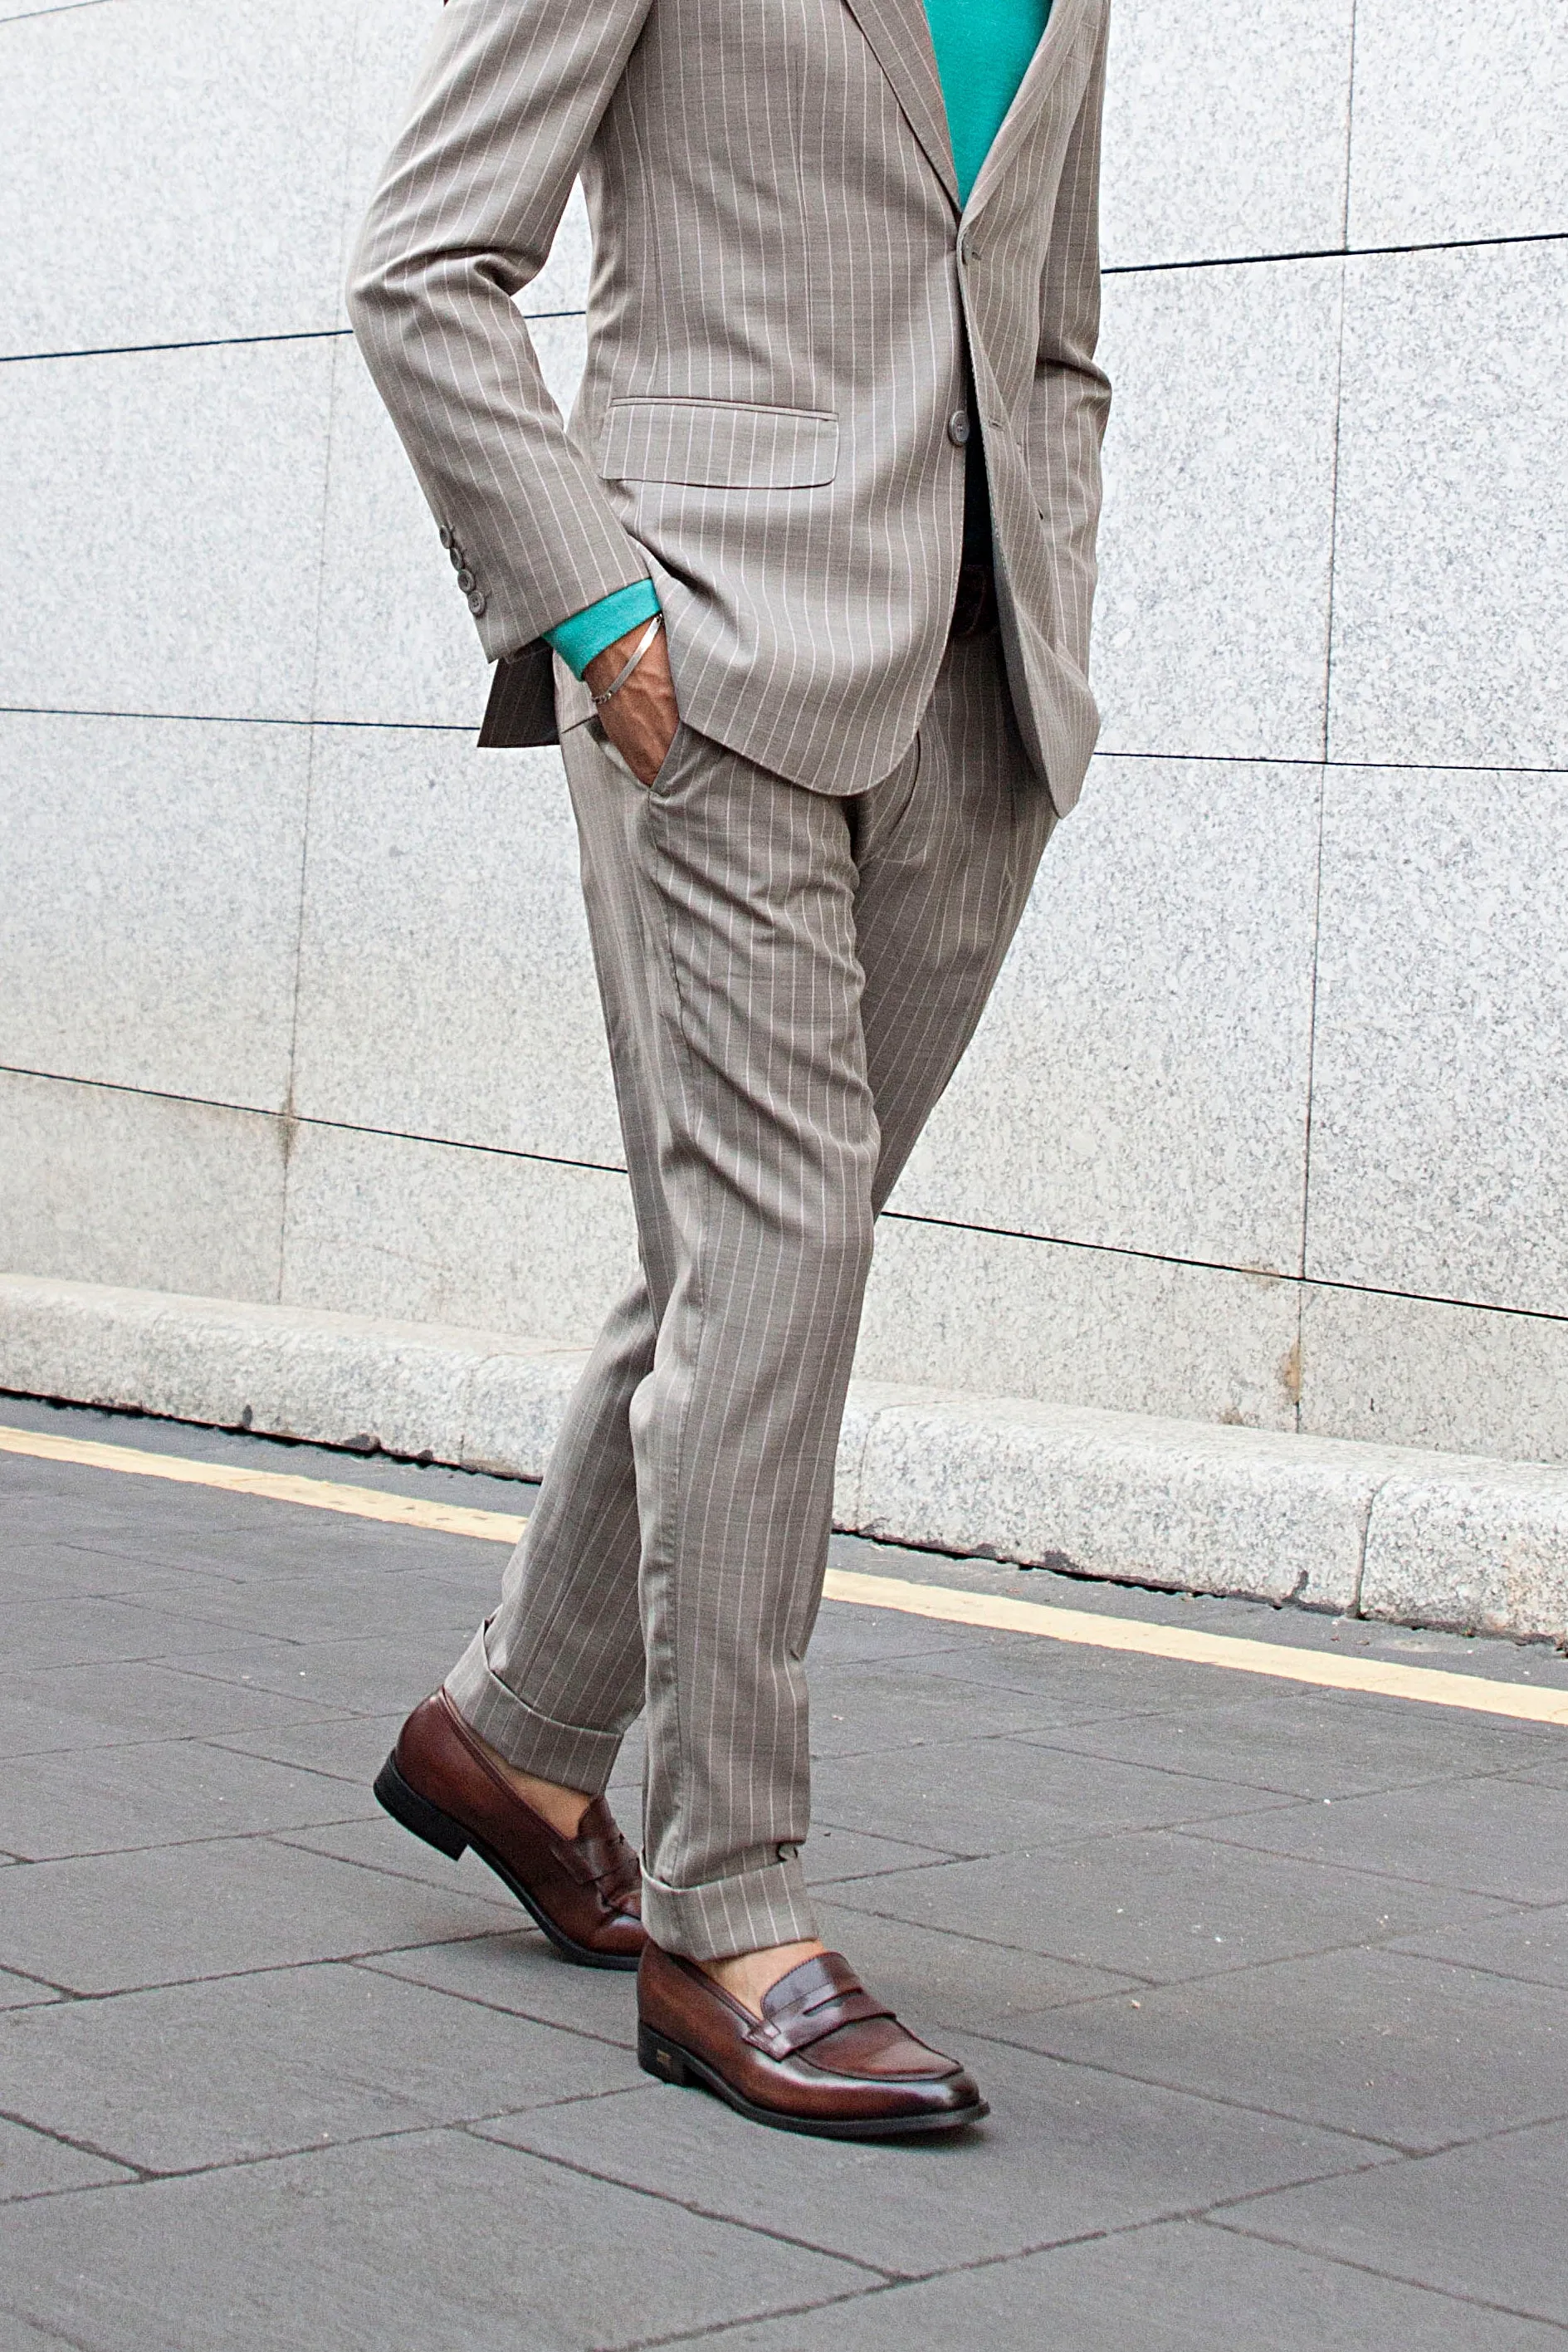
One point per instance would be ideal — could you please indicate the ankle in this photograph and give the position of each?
(749, 1977)
(562, 1808)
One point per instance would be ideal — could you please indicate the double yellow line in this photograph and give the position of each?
(1324, 1669)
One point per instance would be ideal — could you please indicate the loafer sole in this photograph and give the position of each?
(669, 2062)
(448, 1836)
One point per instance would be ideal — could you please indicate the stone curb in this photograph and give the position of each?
(1426, 1538)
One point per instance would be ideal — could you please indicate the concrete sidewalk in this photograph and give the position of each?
(1268, 1986)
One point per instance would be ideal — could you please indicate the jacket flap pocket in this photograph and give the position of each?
(718, 444)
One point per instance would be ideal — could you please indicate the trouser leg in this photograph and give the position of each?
(771, 959)
(555, 1677)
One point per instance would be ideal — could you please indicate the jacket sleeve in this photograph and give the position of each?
(1071, 397)
(507, 102)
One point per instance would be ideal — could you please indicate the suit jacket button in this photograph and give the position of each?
(958, 428)
(465, 580)
(476, 601)
(445, 534)
(456, 557)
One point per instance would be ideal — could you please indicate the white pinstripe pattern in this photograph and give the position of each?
(775, 230)
(788, 980)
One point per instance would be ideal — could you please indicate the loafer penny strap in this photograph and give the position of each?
(782, 2037)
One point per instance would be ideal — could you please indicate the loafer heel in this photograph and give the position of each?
(442, 1782)
(657, 2056)
(407, 1806)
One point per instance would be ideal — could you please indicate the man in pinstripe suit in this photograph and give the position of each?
(804, 587)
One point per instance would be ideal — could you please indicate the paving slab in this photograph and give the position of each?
(1486, 1836)
(36, 2164)
(347, 1748)
(153, 1702)
(23, 1993)
(375, 1841)
(1179, 2286)
(87, 1632)
(316, 1972)
(935, 1978)
(1163, 1906)
(1065, 2150)
(870, 1708)
(397, 2245)
(95, 1800)
(1484, 2220)
(518, 1972)
(122, 1920)
(1402, 2049)
(256, 2065)
(1314, 1743)
(833, 1855)
(368, 1673)
(979, 1796)
(1529, 1944)
(1091, 1684)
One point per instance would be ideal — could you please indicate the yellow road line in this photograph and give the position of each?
(1324, 1669)
(276, 1485)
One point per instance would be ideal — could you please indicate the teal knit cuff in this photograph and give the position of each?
(587, 633)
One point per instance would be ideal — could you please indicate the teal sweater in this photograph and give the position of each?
(983, 48)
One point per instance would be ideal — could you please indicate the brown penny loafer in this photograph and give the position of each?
(824, 2057)
(584, 1892)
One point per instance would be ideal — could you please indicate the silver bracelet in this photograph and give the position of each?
(643, 642)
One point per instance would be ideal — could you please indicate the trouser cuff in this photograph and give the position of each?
(568, 1753)
(769, 1904)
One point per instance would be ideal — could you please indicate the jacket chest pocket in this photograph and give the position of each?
(718, 444)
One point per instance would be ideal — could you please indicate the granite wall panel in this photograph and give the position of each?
(152, 902)
(445, 984)
(174, 172)
(162, 546)
(1269, 81)
(105, 1184)
(1416, 1371)
(1212, 628)
(379, 1224)
(1140, 1078)
(1439, 1152)
(1450, 641)
(1462, 122)
(954, 1307)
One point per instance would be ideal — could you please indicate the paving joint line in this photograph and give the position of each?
(1209, 2220)
(747, 2319)
(878, 2271)
(1364, 1870)
(477, 2000)
(79, 2147)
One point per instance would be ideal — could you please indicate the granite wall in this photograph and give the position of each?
(1268, 1123)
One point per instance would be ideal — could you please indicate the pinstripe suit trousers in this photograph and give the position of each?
(789, 979)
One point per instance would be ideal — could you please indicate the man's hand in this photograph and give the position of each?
(641, 721)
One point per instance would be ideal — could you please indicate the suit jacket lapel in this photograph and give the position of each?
(1056, 46)
(900, 36)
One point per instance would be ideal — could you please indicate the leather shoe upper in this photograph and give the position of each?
(589, 1887)
(823, 2049)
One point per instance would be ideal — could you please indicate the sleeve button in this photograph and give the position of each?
(465, 580)
(445, 534)
(477, 603)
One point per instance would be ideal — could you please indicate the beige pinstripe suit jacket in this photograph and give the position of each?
(781, 284)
